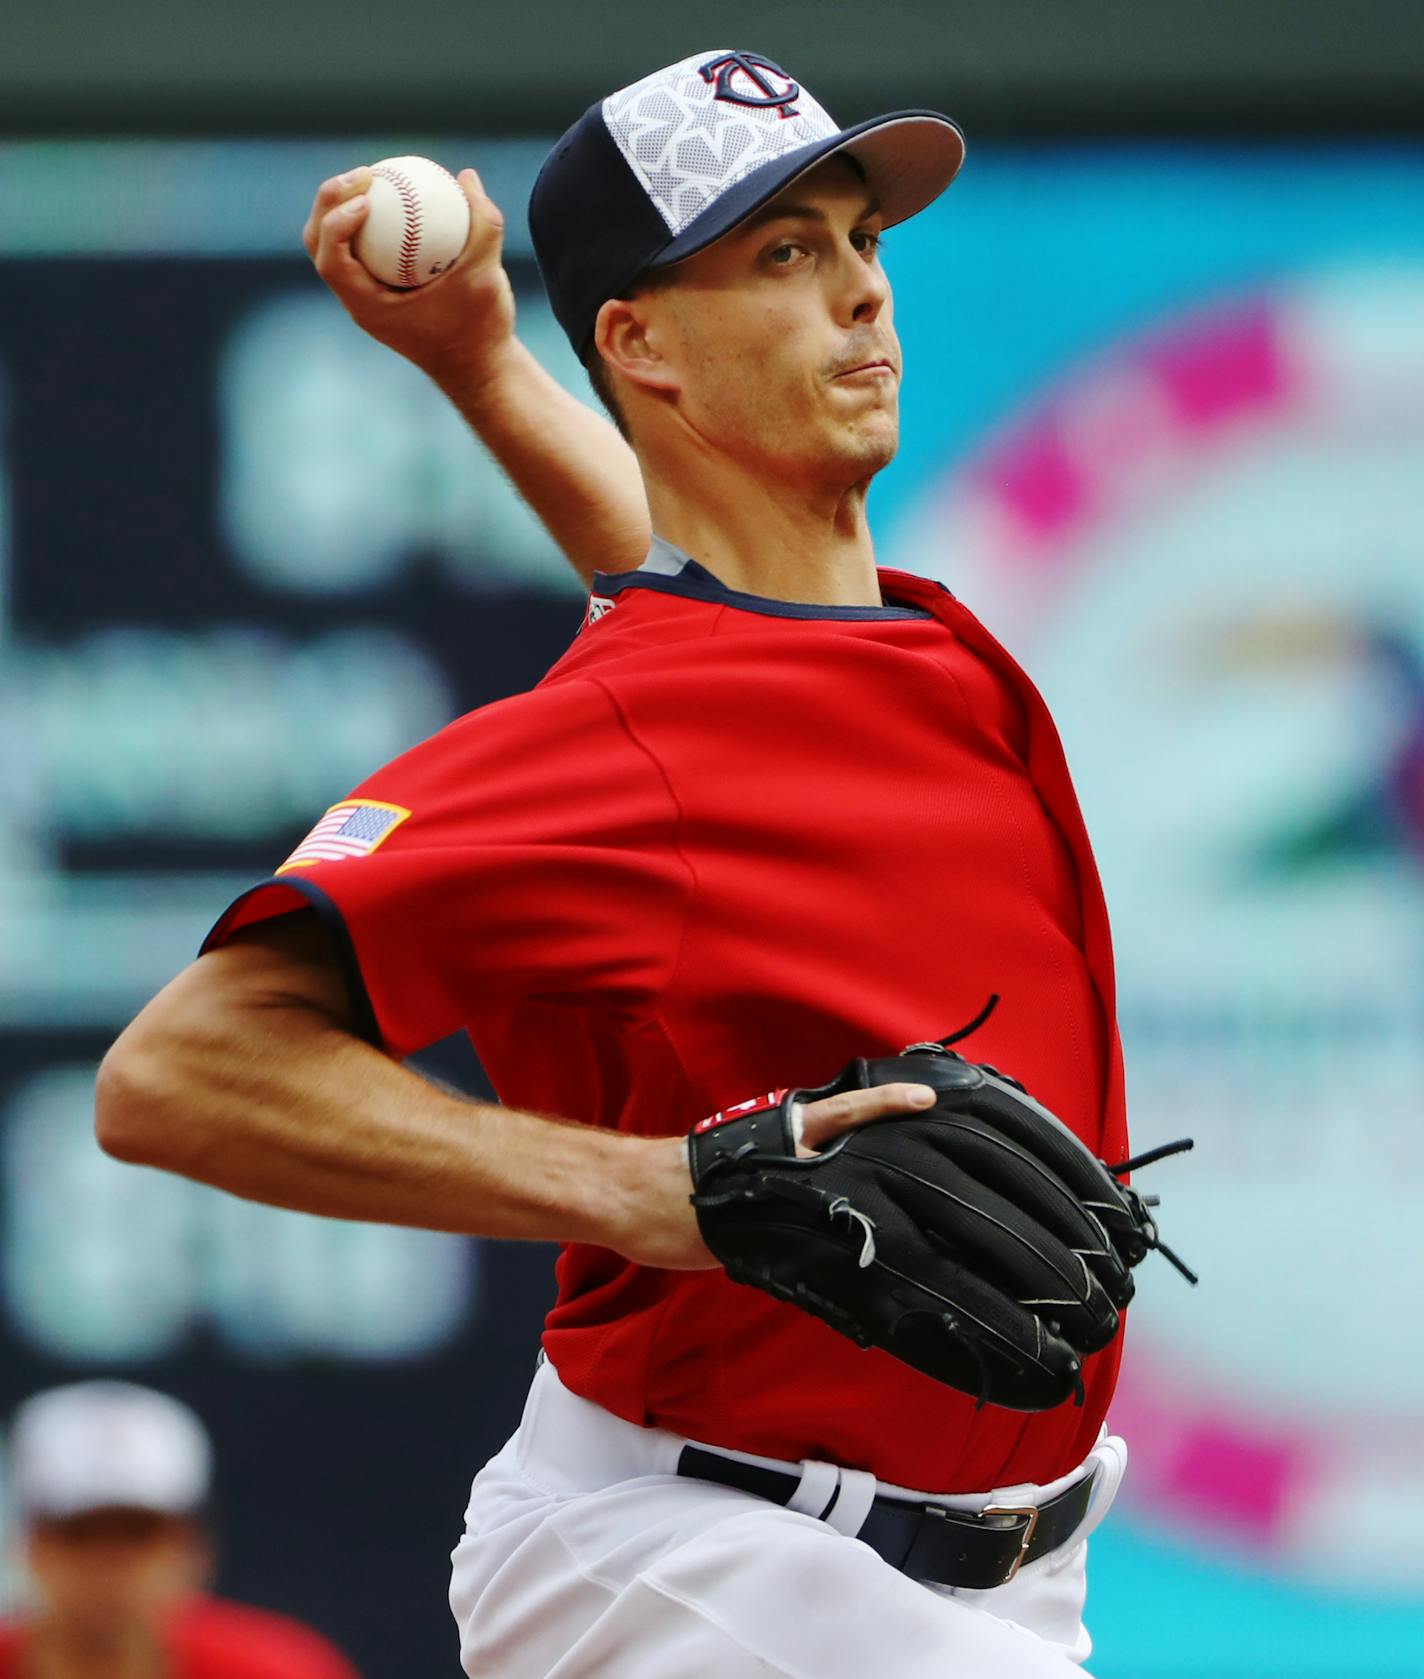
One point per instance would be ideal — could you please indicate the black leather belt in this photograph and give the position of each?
(926, 1541)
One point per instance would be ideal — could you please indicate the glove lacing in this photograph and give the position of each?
(1147, 1225)
(841, 1204)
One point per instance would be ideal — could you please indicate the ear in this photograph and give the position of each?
(633, 345)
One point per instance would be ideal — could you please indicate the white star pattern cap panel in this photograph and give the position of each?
(102, 1445)
(687, 144)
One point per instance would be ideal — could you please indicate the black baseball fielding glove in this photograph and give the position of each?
(978, 1240)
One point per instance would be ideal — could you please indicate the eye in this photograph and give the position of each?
(784, 255)
(867, 241)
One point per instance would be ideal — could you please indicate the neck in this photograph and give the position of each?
(809, 544)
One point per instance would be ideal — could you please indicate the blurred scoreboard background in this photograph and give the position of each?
(1164, 431)
(247, 555)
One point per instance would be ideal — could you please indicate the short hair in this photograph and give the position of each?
(649, 280)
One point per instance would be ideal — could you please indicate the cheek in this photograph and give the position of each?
(755, 373)
(791, 357)
(744, 366)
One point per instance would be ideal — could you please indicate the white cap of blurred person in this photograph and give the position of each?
(110, 1483)
(108, 1445)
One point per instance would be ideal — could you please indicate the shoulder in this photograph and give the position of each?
(560, 723)
(216, 1639)
(560, 703)
(572, 699)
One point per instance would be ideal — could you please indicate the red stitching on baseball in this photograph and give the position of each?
(410, 203)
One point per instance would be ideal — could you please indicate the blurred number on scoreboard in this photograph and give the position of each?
(342, 465)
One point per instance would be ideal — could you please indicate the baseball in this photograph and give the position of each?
(417, 224)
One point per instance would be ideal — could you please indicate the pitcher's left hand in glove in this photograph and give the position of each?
(979, 1241)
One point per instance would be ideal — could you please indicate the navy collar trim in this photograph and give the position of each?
(695, 582)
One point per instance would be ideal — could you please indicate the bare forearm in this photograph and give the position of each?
(567, 462)
(244, 1073)
(277, 1105)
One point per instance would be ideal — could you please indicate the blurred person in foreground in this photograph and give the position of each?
(111, 1484)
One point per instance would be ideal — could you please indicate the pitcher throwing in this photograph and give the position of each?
(839, 1305)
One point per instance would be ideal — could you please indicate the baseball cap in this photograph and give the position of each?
(102, 1445)
(664, 167)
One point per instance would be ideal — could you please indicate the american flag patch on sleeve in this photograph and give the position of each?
(354, 828)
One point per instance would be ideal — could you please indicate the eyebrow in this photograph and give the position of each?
(775, 212)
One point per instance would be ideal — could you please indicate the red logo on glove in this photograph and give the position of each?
(754, 1104)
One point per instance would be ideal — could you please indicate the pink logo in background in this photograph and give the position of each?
(1204, 544)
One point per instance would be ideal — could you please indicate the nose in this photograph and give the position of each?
(865, 290)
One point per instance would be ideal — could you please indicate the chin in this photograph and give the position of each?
(873, 444)
(848, 451)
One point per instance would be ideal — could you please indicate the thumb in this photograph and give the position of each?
(824, 1120)
(486, 241)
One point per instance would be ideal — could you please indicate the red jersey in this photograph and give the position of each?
(210, 1638)
(725, 845)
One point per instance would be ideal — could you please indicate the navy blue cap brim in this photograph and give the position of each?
(909, 158)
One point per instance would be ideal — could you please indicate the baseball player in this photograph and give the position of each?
(112, 1485)
(773, 809)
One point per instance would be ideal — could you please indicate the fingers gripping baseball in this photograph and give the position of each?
(333, 256)
(485, 246)
(461, 319)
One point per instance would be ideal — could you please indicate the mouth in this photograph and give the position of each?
(880, 368)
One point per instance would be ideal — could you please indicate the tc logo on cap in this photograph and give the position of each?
(770, 86)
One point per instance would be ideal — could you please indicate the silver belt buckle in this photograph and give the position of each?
(1029, 1510)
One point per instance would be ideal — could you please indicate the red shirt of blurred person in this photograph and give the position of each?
(119, 1599)
(206, 1639)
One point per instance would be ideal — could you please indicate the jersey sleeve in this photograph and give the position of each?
(526, 851)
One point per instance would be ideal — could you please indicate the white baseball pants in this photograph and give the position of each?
(585, 1554)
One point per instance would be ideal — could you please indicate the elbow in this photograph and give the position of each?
(130, 1101)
